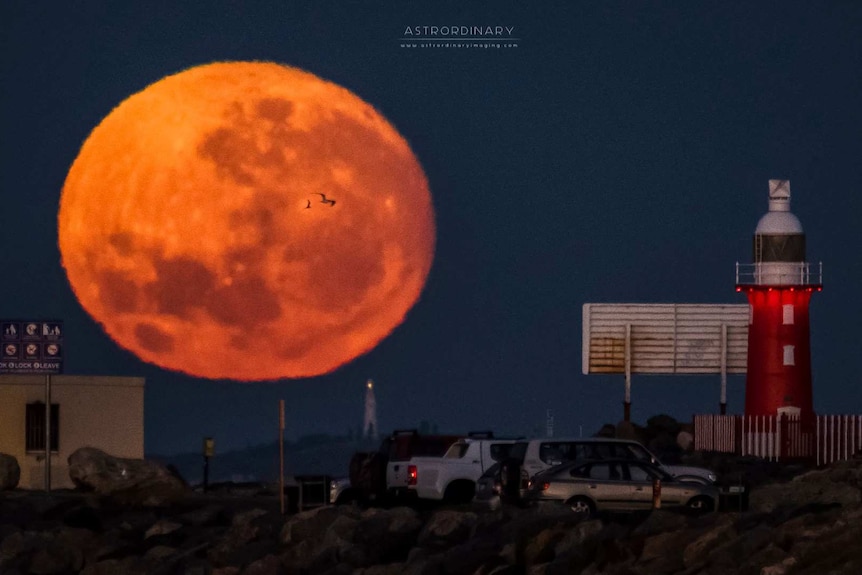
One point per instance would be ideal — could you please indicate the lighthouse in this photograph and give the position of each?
(779, 285)
(369, 425)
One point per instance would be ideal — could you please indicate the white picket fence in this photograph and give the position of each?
(826, 439)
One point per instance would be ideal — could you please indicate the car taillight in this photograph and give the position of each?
(535, 485)
(411, 475)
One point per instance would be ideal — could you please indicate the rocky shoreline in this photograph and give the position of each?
(804, 522)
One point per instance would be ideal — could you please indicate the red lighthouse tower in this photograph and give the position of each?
(779, 285)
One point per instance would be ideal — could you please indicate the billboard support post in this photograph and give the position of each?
(627, 405)
(722, 406)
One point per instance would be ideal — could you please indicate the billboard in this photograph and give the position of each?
(31, 346)
(665, 338)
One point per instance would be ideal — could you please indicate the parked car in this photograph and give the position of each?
(594, 486)
(340, 491)
(542, 454)
(488, 489)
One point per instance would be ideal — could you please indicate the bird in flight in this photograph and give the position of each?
(308, 205)
(323, 200)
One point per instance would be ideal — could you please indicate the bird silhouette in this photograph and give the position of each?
(308, 205)
(323, 199)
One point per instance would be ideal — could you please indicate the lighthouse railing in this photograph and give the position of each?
(780, 273)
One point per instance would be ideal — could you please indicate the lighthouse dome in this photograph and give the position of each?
(778, 223)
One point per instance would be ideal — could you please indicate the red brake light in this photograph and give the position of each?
(412, 475)
(545, 486)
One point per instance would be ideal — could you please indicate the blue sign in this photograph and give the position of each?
(31, 346)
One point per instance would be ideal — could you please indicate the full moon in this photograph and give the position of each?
(246, 221)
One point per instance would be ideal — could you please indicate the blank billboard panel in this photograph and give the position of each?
(665, 338)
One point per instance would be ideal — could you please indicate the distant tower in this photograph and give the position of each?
(549, 423)
(779, 287)
(369, 429)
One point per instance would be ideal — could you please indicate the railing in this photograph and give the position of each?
(781, 273)
(824, 440)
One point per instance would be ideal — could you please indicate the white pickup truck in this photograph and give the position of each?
(383, 476)
(453, 476)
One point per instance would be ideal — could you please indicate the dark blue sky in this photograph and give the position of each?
(620, 153)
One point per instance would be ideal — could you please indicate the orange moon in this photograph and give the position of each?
(246, 221)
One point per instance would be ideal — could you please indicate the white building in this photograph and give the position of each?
(86, 411)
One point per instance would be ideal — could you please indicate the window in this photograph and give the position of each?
(788, 313)
(788, 355)
(34, 432)
(636, 451)
(605, 471)
(554, 453)
(500, 451)
(638, 473)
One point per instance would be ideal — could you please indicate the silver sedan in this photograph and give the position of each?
(589, 487)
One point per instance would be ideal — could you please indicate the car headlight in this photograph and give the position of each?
(712, 477)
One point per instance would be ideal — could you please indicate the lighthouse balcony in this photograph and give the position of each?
(802, 274)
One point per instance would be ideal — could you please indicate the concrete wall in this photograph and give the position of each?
(95, 411)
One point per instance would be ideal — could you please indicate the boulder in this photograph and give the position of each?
(129, 481)
(685, 440)
(662, 424)
(446, 528)
(633, 431)
(309, 525)
(388, 534)
(814, 487)
(607, 430)
(10, 472)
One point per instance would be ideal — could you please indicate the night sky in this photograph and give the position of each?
(620, 153)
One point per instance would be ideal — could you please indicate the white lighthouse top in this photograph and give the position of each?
(778, 220)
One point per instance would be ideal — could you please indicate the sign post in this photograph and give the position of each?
(281, 453)
(209, 450)
(656, 493)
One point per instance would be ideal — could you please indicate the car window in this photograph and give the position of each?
(457, 451)
(603, 450)
(554, 453)
(635, 451)
(500, 451)
(605, 471)
(492, 471)
(580, 471)
(586, 451)
(638, 473)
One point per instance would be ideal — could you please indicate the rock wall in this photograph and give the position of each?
(808, 524)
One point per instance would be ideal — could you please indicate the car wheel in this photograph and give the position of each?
(582, 506)
(701, 504)
(459, 492)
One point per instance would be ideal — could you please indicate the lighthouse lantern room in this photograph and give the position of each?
(779, 285)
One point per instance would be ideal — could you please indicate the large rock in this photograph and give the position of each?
(10, 472)
(814, 487)
(446, 528)
(129, 481)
